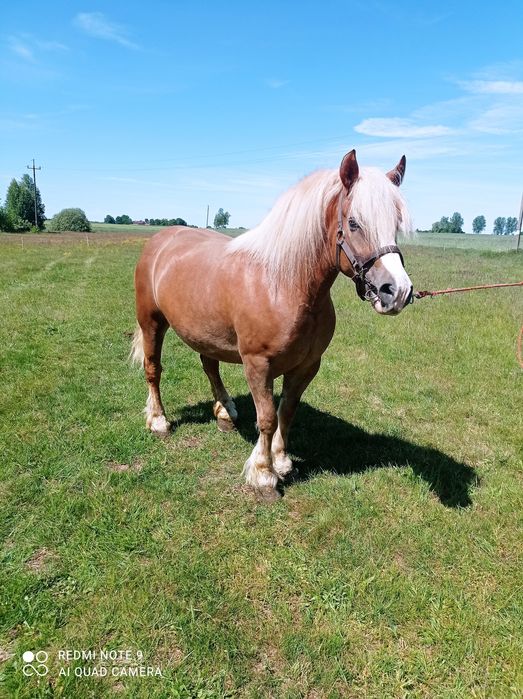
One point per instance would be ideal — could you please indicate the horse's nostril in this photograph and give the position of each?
(386, 293)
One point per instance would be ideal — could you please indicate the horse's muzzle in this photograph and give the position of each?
(390, 300)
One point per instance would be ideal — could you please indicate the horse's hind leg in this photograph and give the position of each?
(153, 329)
(224, 409)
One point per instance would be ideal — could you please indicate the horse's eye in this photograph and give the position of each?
(353, 225)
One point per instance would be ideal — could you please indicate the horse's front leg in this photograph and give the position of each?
(294, 384)
(258, 468)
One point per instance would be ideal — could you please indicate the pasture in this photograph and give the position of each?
(390, 568)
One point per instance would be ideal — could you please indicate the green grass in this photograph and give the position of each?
(122, 228)
(391, 567)
(499, 243)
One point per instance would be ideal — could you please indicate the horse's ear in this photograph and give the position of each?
(396, 176)
(349, 170)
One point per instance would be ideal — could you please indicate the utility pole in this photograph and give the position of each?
(34, 169)
(207, 222)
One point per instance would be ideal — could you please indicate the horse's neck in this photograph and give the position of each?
(321, 282)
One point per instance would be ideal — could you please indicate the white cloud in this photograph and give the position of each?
(97, 25)
(493, 87)
(400, 128)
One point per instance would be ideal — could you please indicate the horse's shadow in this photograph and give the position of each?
(321, 442)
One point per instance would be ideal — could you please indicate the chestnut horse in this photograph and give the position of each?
(263, 299)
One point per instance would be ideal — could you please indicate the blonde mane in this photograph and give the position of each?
(291, 238)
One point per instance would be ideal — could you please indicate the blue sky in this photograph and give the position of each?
(158, 109)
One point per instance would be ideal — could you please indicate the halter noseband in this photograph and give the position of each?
(366, 290)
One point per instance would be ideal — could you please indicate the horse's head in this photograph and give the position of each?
(371, 211)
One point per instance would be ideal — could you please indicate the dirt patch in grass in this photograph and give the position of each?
(5, 655)
(117, 467)
(40, 560)
(189, 442)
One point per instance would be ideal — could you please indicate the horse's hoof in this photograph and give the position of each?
(268, 495)
(159, 426)
(225, 425)
(282, 466)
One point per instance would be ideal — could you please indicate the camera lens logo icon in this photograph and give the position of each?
(35, 663)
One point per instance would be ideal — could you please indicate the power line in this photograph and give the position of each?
(34, 169)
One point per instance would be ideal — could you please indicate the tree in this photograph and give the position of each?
(221, 220)
(479, 224)
(441, 226)
(69, 220)
(499, 225)
(109, 219)
(123, 219)
(456, 223)
(4, 220)
(511, 225)
(20, 204)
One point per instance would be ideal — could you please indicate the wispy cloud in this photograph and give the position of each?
(96, 24)
(400, 128)
(51, 45)
(26, 45)
(500, 119)
(275, 83)
(20, 48)
(493, 87)
(387, 152)
(42, 121)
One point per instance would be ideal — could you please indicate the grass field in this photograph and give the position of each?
(497, 243)
(390, 568)
(120, 229)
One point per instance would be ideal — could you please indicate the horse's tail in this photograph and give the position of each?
(136, 355)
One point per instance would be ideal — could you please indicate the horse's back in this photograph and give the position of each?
(177, 250)
(180, 237)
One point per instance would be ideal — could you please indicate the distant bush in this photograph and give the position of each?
(109, 219)
(69, 220)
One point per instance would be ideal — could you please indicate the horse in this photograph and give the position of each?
(263, 299)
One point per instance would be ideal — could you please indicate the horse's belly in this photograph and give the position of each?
(214, 348)
(204, 331)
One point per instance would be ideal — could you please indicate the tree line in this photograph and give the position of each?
(125, 219)
(454, 224)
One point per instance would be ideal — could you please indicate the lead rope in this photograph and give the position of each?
(519, 344)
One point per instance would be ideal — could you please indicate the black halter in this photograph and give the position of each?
(366, 290)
